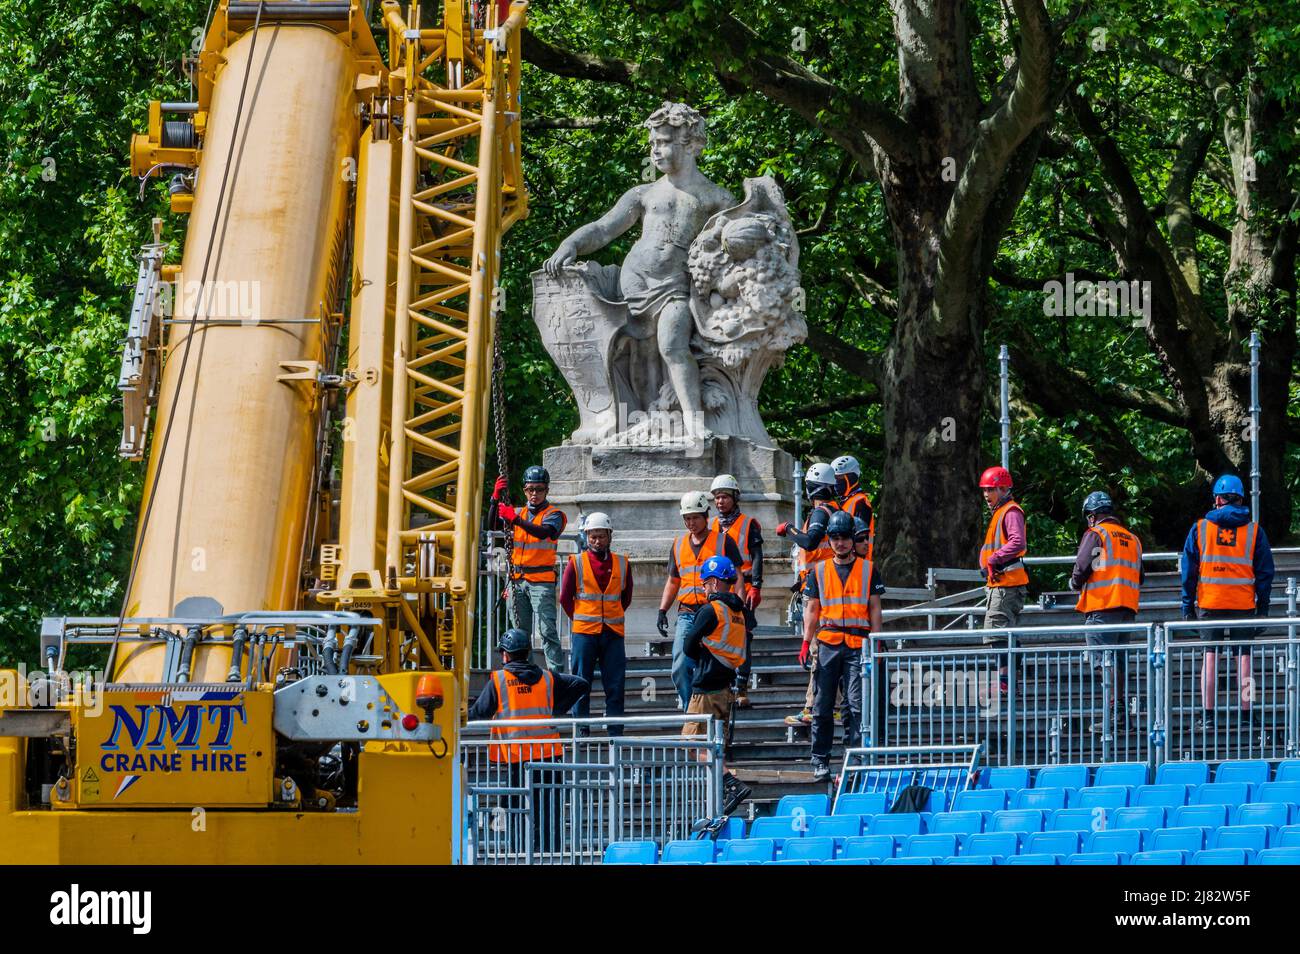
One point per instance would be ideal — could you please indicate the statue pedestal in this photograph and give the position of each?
(641, 488)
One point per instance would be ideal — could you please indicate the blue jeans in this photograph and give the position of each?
(683, 665)
(609, 650)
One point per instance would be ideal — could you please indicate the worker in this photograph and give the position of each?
(522, 690)
(1227, 573)
(716, 643)
(748, 536)
(841, 611)
(819, 485)
(1006, 580)
(594, 593)
(537, 530)
(853, 499)
(1108, 575)
(688, 552)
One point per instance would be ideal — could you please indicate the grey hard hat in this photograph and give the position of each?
(1096, 501)
(514, 641)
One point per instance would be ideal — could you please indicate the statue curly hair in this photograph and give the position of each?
(680, 117)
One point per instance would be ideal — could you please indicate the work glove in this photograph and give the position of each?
(782, 528)
(499, 490)
(753, 597)
(662, 623)
(507, 512)
(805, 655)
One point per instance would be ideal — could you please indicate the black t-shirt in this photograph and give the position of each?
(811, 592)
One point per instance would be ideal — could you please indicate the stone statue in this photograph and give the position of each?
(706, 302)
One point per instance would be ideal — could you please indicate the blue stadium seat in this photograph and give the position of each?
(993, 844)
(1280, 791)
(1288, 771)
(1252, 772)
(983, 800)
(1125, 840)
(1145, 817)
(1250, 837)
(1176, 839)
(1273, 814)
(1202, 816)
(838, 827)
(985, 860)
(1062, 776)
(1081, 819)
(1278, 856)
(904, 824)
(1183, 773)
(1288, 837)
(631, 853)
(875, 847)
(791, 861)
(1006, 776)
(1107, 796)
(733, 827)
(1097, 858)
(1023, 820)
(1167, 796)
(687, 853)
(1035, 859)
(809, 805)
(955, 823)
(809, 849)
(749, 849)
(778, 829)
(1131, 774)
(1052, 843)
(1157, 858)
(852, 861)
(908, 861)
(1221, 793)
(1222, 856)
(862, 803)
(1044, 798)
(930, 846)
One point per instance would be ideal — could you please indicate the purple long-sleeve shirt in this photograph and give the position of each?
(1013, 524)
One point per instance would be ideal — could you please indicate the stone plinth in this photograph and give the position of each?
(641, 488)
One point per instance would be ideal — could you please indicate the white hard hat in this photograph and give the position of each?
(695, 501)
(597, 521)
(724, 482)
(820, 474)
(846, 465)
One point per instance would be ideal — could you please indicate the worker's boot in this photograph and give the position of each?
(821, 770)
(734, 791)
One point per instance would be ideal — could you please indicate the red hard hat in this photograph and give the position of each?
(995, 477)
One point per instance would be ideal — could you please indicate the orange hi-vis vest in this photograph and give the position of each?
(1116, 580)
(518, 700)
(594, 608)
(739, 532)
(1227, 566)
(1013, 574)
(534, 557)
(727, 640)
(845, 606)
(810, 558)
(850, 505)
(691, 595)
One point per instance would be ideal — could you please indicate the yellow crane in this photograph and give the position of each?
(286, 677)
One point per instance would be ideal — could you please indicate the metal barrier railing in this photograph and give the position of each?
(566, 808)
(1043, 696)
(945, 769)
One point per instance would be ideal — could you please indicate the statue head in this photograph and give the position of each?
(677, 136)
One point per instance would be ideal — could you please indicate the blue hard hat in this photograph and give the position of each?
(718, 567)
(1097, 501)
(1229, 484)
(514, 641)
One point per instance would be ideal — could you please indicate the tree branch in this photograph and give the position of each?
(859, 363)
(809, 412)
(566, 122)
(561, 62)
(832, 196)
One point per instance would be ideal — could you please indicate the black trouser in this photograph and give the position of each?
(1095, 658)
(836, 664)
(546, 791)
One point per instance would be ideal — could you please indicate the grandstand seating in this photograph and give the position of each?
(1241, 813)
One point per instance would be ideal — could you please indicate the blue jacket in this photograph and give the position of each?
(1190, 561)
